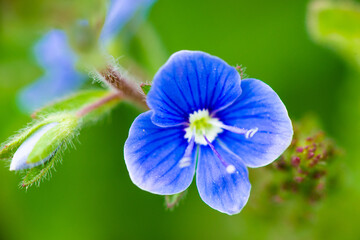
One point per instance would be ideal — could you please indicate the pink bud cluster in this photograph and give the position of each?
(303, 170)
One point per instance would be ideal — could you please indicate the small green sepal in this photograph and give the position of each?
(36, 174)
(145, 87)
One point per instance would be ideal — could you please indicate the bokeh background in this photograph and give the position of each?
(90, 195)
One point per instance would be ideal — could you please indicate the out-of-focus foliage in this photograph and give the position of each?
(336, 24)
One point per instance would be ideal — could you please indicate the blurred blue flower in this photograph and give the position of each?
(203, 118)
(120, 13)
(54, 54)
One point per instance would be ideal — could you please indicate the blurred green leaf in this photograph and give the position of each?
(336, 24)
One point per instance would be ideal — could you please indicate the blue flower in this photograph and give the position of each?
(205, 119)
(54, 54)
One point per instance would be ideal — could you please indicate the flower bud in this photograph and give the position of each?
(21, 155)
(39, 142)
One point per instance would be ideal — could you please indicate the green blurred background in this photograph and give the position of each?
(90, 195)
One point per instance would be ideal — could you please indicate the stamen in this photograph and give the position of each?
(186, 159)
(229, 167)
(248, 133)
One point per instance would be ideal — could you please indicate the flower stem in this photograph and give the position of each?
(129, 90)
(99, 103)
(172, 201)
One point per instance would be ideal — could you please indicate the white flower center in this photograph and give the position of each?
(203, 125)
(203, 129)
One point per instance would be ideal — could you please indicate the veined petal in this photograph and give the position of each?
(153, 154)
(191, 81)
(61, 78)
(257, 107)
(120, 13)
(221, 190)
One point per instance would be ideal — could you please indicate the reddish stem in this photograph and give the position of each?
(99, 103)
(130, 90)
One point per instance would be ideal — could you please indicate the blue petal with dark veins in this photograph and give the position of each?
(152, 156)
(258, 107)
(190, 81)
(223, 191)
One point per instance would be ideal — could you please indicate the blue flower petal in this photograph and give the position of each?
(223, 191)
(120, 13)
(153, 154)
(190, 81)
(53, 51)
(257, 107)
(61, 78)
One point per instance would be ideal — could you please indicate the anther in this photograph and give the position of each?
(248, 133)
(230, 169)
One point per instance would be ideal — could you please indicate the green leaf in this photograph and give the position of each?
(336, 25)
(80, 101)
(73, 102)
(171, 201)
(145, 87)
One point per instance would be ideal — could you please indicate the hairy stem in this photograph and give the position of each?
(129, 90)
(99, 103)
